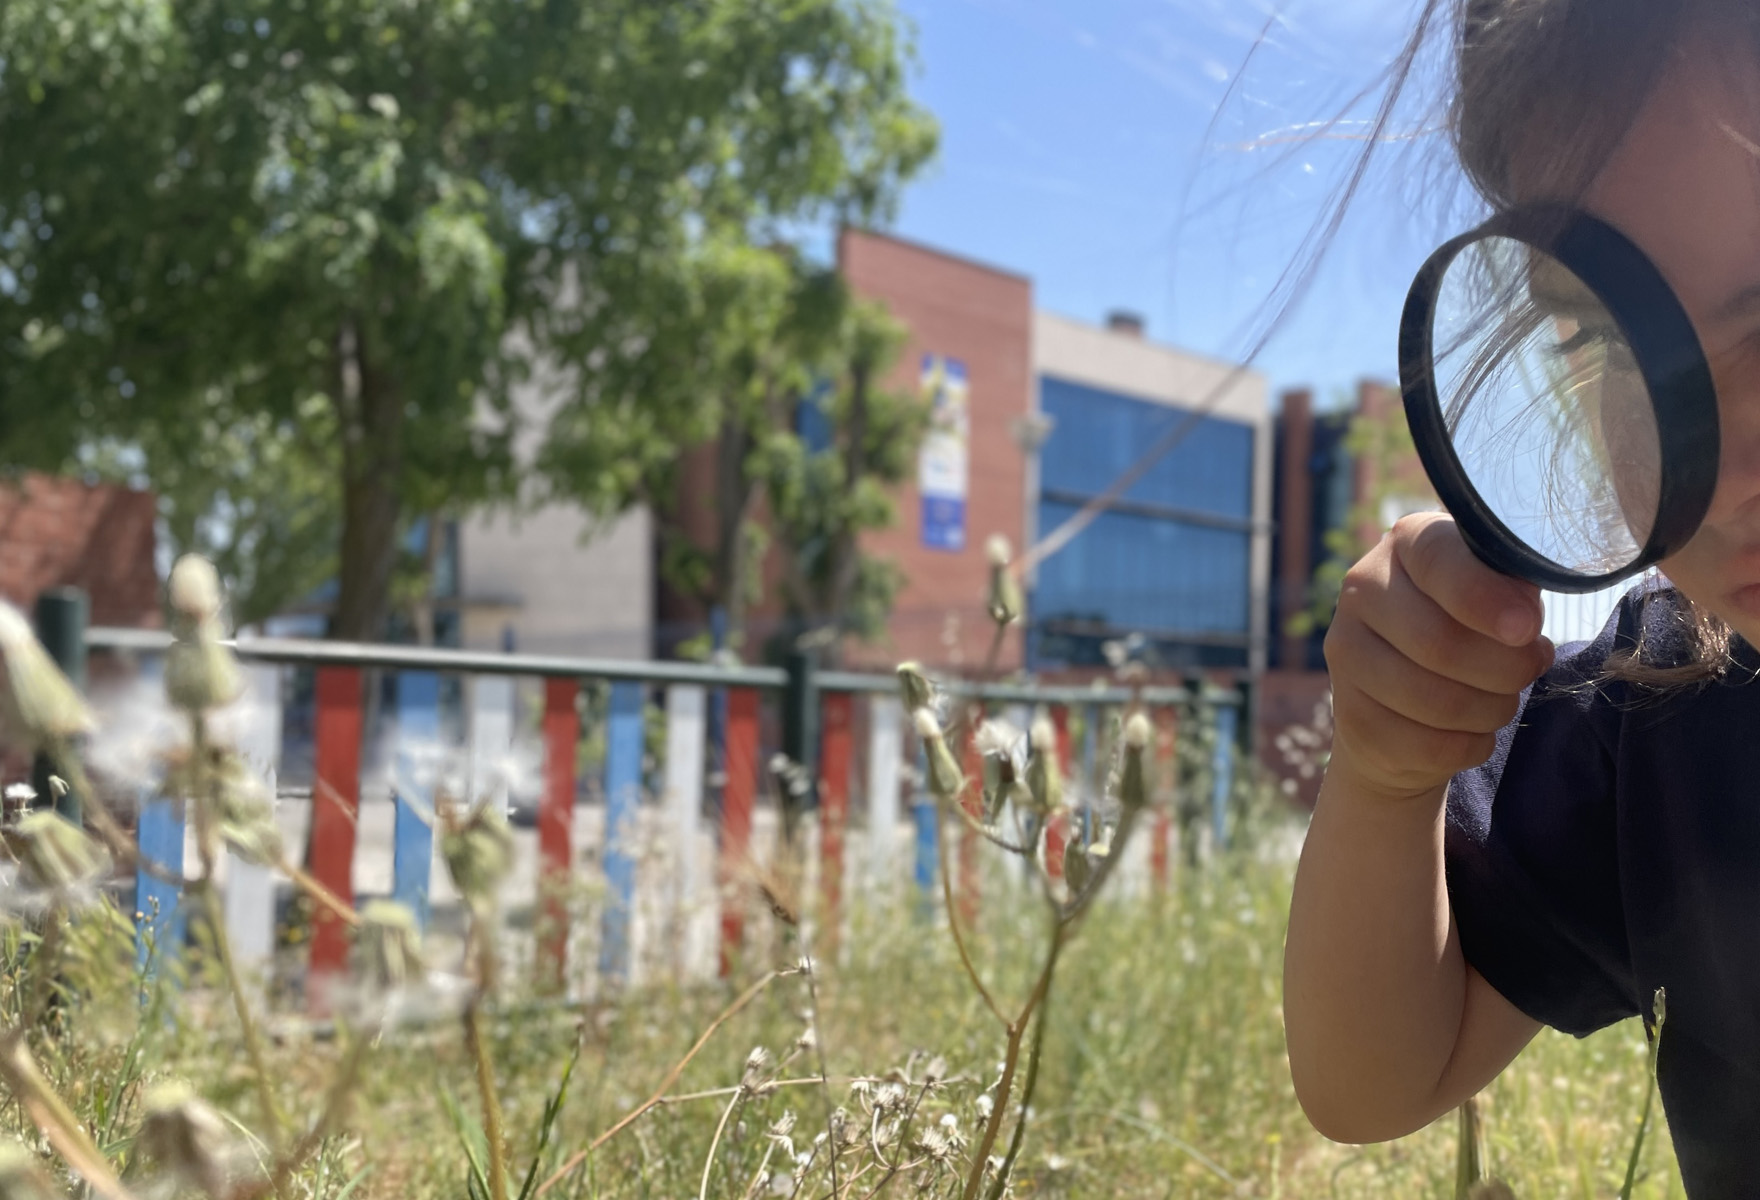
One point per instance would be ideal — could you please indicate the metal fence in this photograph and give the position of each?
(714, 735)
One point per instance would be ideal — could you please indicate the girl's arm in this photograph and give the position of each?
(1387, 1026)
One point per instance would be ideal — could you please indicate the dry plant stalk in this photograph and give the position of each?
(1020, 775)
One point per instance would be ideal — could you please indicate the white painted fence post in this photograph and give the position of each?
(491, 739)
(250, 888)
(687, 711)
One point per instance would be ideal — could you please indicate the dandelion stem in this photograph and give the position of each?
(959, 940)
(709, 1162)
(204, 816)
(659, 1096)
(810, 969)
(302, 879)
(1000, 1184)
(253, 1042)
(1011, 1060)
(717, 1093)
(763, 1170)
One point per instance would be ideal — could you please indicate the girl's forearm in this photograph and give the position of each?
(1374, 982)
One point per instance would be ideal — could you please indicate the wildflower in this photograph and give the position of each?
(186, 1137)
(1005, 603)
(1004, 752)
(756, 1062)
(20, 793)
(53, 854)
(388, 948)
(235, 798)
(945, 779)
(1133, 787)
(21, 1175)
(1044, 776)
(479, 853)
(38, 704)
(193, 591)
(918, 691)
(1075, 866)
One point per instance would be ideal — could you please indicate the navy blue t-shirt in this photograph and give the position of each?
(1612, 846)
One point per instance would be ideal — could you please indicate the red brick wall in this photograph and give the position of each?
(99, 537)
(984, 318)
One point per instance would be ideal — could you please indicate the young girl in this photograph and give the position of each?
(1510, 836)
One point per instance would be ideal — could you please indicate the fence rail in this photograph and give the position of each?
(713, 750)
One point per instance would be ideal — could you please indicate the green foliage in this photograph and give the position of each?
(1384, 444)
(348, 230)
(784, 334)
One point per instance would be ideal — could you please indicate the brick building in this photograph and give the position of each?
(1034, 417)
(970, 335)
(57, 532)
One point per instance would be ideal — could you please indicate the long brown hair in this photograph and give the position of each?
(1541, 94)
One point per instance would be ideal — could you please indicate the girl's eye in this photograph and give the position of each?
(1604, 340)
(1605, 337)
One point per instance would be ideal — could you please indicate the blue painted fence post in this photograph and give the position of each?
(158, 928)
(928, 820)
(623, 794)
(418, 748)
(1223, 769)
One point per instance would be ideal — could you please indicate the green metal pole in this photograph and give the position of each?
(62, 614)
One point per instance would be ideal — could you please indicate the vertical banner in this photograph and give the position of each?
(943, 463)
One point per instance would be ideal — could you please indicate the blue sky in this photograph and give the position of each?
(1083, 145)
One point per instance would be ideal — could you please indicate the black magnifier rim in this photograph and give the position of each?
(1668, 356)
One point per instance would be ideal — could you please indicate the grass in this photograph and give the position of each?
(1151, 1045)
(1163, 1072)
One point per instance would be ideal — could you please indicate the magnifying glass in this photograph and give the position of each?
(1559, 399)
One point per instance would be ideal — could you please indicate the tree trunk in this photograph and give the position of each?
(372, 444)
(733, 497)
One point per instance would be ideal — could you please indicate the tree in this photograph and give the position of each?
(791, 428)
(351, 229)
(824, 498)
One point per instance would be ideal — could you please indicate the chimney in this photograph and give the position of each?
(1123, 321)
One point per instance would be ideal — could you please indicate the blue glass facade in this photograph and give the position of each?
(1172, 560)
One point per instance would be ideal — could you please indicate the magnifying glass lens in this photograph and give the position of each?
(1545, 407)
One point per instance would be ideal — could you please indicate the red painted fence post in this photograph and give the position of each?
(562, 735)
(838, 716)
(738, 796)
(335, 811)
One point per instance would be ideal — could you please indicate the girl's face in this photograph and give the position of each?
(1685, 186)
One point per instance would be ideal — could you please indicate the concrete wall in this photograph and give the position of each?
(1128, 364)
(560, 584)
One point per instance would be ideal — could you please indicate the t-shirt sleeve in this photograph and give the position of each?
(1532, 855)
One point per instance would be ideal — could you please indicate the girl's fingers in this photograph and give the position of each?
(1391, 677)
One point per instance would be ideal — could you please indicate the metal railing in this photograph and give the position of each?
(712, 728)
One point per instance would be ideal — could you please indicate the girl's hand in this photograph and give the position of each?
(1429, 652)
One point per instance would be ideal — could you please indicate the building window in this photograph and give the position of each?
(1172, 560)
